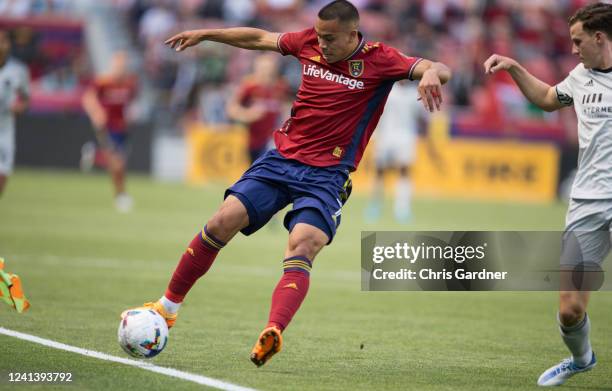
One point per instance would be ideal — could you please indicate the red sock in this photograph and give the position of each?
(194, 263)
(290, 291)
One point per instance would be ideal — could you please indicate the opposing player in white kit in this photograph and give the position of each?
(395, 143)
(14, 97)
(586, 238)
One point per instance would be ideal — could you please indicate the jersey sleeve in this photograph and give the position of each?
(564, 90)
(396, 65)
(292, 43)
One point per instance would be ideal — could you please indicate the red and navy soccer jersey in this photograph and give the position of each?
(114, 96)
(338, 105)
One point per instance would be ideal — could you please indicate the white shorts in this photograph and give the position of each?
(586, 238)
(7, 156)
(395, 151)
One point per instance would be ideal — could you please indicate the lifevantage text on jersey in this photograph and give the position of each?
(315, 71)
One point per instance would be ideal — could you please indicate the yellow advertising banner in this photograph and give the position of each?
(479, 169)
(465, 168)
(216, 153)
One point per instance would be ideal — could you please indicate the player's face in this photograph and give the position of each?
(586, 46)
(336, 39)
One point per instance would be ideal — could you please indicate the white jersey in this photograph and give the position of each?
(14, 78)
(590, 91)
(396, 133)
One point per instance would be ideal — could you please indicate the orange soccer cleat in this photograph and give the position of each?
(269, 343)
(159, 308)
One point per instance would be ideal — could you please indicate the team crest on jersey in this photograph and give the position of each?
(356, 67)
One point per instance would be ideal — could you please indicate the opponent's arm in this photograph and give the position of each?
(431, 75)
(21, 104)
(241, 37)
(22, 98)
(534, 89)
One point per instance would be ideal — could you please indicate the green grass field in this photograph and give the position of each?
(82, 264)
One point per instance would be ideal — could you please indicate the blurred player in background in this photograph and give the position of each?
(345, 83)
(586, 239)
(396, 137)
(258, 103)
(14, 99)
(106, 102)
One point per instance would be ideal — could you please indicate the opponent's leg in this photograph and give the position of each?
(374, 210)
(574, 326)
(403, 196)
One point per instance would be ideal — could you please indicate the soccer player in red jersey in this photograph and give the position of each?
(105, 102)
(258, 103)
(345, 83)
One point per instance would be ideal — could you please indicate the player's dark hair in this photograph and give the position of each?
(594, 17)
(342, 10)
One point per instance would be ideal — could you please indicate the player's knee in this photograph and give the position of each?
(222, 226)
(307, 245)
(227, 221)
(571, 309)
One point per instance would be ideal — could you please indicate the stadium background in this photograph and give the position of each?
(506, 165)
(65, 43)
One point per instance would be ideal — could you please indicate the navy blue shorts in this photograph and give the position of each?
(273, 182)
(118, 141)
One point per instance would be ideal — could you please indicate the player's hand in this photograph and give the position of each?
(19, 106)
(99, 120)
(430, 91)
(183, 40)
(255, 112)
(497, 63)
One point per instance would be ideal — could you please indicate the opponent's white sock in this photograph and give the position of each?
(403, 197)
(577, 340)
(170, 306)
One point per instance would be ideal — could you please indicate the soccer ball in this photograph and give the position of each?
(142, 333)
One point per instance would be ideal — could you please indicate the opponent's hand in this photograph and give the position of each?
(183, 40)
(19, 106)
(430, 91)
(497, 63)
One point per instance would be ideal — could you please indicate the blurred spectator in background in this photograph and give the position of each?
(14, 98)
(196, 85)
(258, 103)
(106, 102)
(395, 149)
(531, 31)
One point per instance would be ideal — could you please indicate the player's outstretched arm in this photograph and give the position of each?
(431, 75)
(241, 37)
(534, 89)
